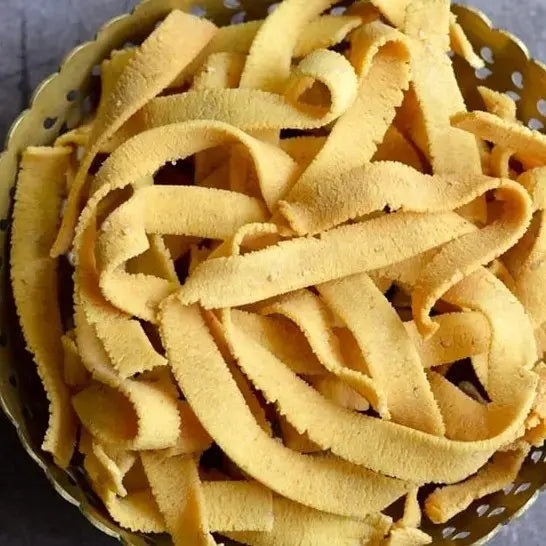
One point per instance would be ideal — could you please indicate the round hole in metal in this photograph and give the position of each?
(517, 79)
(49, 123)
(72, 95)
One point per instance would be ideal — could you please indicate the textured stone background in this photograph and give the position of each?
(34, 36)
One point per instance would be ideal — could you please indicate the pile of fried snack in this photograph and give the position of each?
(307, 281)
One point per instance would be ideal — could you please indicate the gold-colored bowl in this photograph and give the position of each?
(61, 101)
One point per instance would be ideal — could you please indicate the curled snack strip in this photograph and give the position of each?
(375, 444)
(446, 502)
(135, 415)
(302, 262)
(462, 46)
(268, 65)
(380, 57)
(311, 315)
(297, 524)
(177, 490)
(361, 191)
(459, 335)
(268, 111)
(326, 484)
(449, 150)
(503, 132)
(390, 355)
(464, 255)
(34, 280)
(154, 65)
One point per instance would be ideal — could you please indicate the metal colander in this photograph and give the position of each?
(64, 98)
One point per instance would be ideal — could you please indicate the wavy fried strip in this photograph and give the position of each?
(459, 258)
(268, 65)
(297, 524)
(283, 339)
(446, 502)
(390, 355)
(154, 65)
(461, 45)
(322, 32)
(133, 414)
(302, 262)
(449, 150)
(312, 317)
(177, 490)
(37, 207)
(324, 483)
(459, 336)
(527, 259)
(254, 109)
(380, 56)
(238, 506)
(375, 444)
(344, 196)
(506, 133)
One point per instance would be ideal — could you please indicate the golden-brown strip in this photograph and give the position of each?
(297, 524)
(302, 262)
(137, 511)
(113, 466)
(193, 438)
(340, 393)
(407, 536)
(374, 443)
(207, 212)
(34, 279)
(526, 261)
(360, 191)
(177, 490)
(436, 88)
(238, 506)
(512, 349)
(461, 45)
(499, 104)
(446, 502)
(294, 440)
(312, 317)
(283, 339)
(322, 32)
(465, 419)
(390, 355)
(324, 483)
(157, 260)
(307, 411)
(154, 65)
(412, 510)
(506, 133)
(396, 147)
(459, 336)
(75, 373)
(268, 62)
(220, 71)
(133, 415)
(380, 57)
(268, 111)
(461, 257)
(393, 10)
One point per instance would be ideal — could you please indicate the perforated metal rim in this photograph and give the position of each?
(61, 100)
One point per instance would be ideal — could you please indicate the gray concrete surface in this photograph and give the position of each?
(34, 36)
